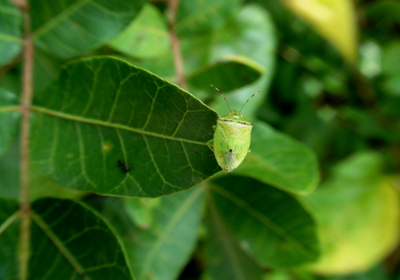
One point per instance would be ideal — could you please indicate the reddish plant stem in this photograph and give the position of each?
(176, 48)
(26, 102)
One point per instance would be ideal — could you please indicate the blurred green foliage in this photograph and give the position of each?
(317, 197)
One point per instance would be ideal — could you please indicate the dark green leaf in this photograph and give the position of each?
(72, 27)
(146, 37)
(162, 249)
(102, 111)
(226, 260)
(9, 228)
(9, 118)
(231, 74)
(10, 33)
(268, 223)
(281, 161)
(70, 241)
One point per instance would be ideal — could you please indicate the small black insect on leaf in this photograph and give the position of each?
(123, 167)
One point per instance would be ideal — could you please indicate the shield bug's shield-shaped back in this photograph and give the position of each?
(232, 136)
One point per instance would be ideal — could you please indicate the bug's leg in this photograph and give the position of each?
(211, 155)
(213, 127)
(210, 144)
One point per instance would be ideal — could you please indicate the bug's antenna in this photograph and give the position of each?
(248, 100)
(222, 96)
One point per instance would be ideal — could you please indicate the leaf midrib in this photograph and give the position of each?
(110, 125)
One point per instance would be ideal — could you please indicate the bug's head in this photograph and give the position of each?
(235, 113)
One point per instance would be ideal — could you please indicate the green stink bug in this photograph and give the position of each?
(231, 140)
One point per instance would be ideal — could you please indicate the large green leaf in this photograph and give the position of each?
(230, 74)
(146, 37)
(9, 227)
(72, 27)
(9, 118)
(226, 260)
(281, 161)
(10, 33)
(358, 215)
(268, 223)
(161, 248)
(102, 111)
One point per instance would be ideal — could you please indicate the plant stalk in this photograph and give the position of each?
(26, 102)
(176, 48)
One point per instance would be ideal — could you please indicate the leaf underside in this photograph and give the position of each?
(103, 110)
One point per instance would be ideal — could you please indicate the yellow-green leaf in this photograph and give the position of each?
(334, 20)
(357, 210)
